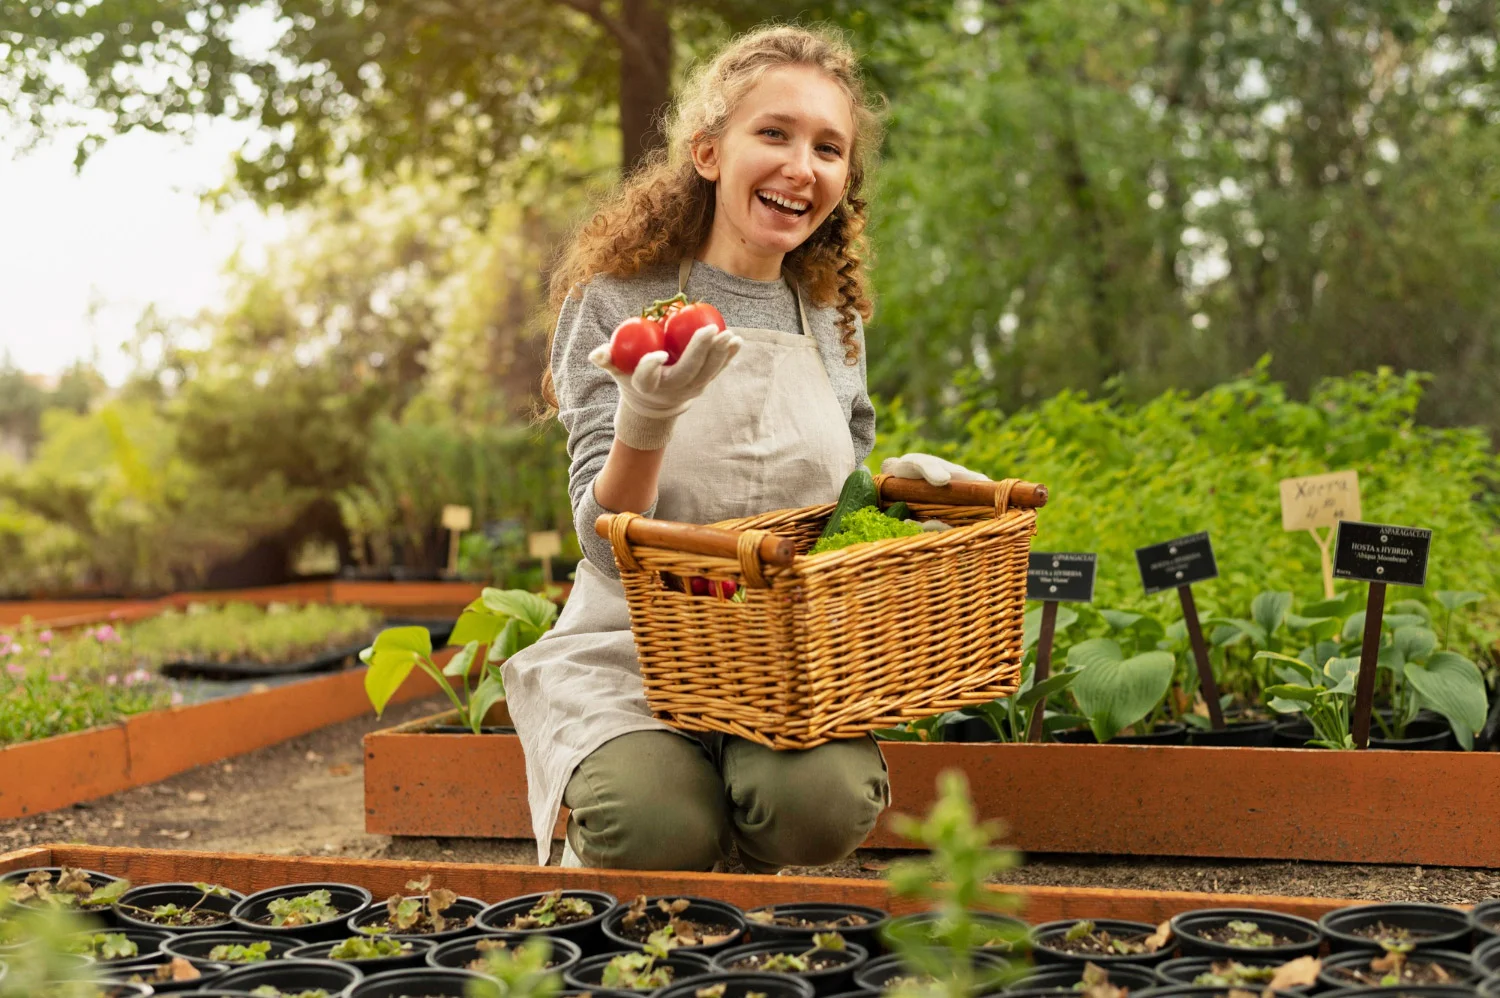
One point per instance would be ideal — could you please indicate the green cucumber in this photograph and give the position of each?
(898, 511)
(857, 493)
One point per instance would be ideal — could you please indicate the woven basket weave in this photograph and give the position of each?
(840, 644)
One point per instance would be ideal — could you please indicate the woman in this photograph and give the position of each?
(755, 206)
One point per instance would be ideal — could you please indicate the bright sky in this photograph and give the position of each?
(128, 231)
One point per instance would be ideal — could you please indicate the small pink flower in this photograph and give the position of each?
(176, 699)
(14, 650)
(45, 652)
(111, 679)
(114, 615)
(57, 677)
(138, 676)
(15, 670)
(106, 635)
(44, 637)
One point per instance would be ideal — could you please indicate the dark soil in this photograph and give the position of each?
(561, 916)
(201, 917)
(707, 933)
(793, 922)
(1413, 972)
(757, 961)
(498, 946)
(305, 797)
(1224, 934)
(1098, 942)
(1390, 933)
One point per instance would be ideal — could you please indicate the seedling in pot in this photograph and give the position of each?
(1085, 938)
(69, 888)
(1246, 935)
(554, 909)
(521, 971)
(369, 947)
(307, 909)
(176, 916)
(670, 930)
(1392, 938)
(1394, 967)
(796, 963)
(768, 916)
(103, 946)
(639, 971)
(421, 914)
(168, 972)
(241, 952)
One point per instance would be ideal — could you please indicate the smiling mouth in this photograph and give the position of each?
(784, 209)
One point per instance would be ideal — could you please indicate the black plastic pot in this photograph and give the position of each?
(148, 943)
(1170, 733)
(465, 910)
(1446, 928)
(1064, 976)
(875, 973)
(347, 898)
(1189, 929)
(429, 982)
(830, 981)
(1293, 733)
(182, 895)
(1209, 991)
(1422, 735)
(861, 993)
(1457, 964)
(1185, 970)
(105, 912)
(1245, 734)
(457, 954)
(332, 976)
(374, 965)
(197, 945)
(588, 934)
(867, 935)
(970, 729)
(464, 729)
(210, 972)
(1016, 934)
(1485, 917)
(1490, 987)
(588, 973)
(1486, 958)
(704, 910)
(740, 985)
(1043, 953)
(1422, 991)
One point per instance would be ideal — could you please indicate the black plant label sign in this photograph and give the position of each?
(1176, 563)
(1061, 577)
(1377, 552)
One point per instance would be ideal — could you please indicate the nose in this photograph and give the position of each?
(798, 167)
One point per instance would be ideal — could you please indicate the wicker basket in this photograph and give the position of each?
(840, 644)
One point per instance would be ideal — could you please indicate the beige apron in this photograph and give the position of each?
(768, 433)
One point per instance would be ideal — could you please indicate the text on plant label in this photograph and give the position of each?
(1375, 552)
(1061, 576)
(1179, 562)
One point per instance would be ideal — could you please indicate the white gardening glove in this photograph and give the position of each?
(654, 395)
(934, 469)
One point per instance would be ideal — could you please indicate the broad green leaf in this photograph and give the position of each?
(1062, 722)
(1415, 643)
(1342, 673)
(1119, 620)
(1292, 696)
(1031, 624)
(1269, 609)
(1336, 607)
(508, 641)
(1176, 631)
(1394, 621)
(529, 608)
(1354, 627)
(393, 656)
(1297, 665)
(1115, 694)
(1252, 630)
(490, 691)
(1317, 628)
(477, 624)
(460, 663)
(1455, 600)
(1094, 650)
(1224, 636)
(1453, 686)
(1040, 691)
(1413, 608)
(1390, 657)
(1197, 721)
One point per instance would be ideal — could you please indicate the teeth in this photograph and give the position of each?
(784, 202)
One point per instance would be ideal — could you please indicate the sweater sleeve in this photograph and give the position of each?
(862, 410)
(587, 398)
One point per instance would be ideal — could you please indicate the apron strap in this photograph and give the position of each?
(686, 267)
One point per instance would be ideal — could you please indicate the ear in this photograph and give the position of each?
(706, 158)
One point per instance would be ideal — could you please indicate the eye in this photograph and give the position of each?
(771, 131)
(832, 149)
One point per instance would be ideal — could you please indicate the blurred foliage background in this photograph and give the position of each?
(1139, 249)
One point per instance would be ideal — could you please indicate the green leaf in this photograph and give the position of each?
(1297, 622)
(538, 612)
(1119, 620)
(1296, 664)
(1251, 629)
(1454, 687)
(1336, 607)
(490, 691)
(1270, 609)
(1031, 624)
(476, 624)
(1116, 693)
(460, 663)
(1354, 627)
(510, 640)
(1286, 691)
(1393, 621)
(1342, 673)
(1415, 643)
(393, 656)
(1454, 600)
(365, 654)
(1062, 722)
(1041, 691)
(1414, 608)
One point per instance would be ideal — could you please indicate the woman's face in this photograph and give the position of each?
(787, 142)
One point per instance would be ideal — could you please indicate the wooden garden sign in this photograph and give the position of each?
(1055, 577)
(1381, 555)
(544, 544)
(1177, 564)
(1320, 502)
(456, 519)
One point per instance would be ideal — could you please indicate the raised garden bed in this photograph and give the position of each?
(1249, 803)
(50, 773)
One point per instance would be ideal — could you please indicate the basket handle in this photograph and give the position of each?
(625, 529)
(1012, 493)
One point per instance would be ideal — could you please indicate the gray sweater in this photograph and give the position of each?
(587, 397)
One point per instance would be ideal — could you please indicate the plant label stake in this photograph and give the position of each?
(1177, 565)
(1320, 501)
(545, 545)
(1055, 577)
(1381, 555)
(456, 519)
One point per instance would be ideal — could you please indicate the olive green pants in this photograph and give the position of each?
(653, 800)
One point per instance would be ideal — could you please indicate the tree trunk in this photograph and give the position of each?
(644, 82)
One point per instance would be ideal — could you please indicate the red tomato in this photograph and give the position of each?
(632, 340)
(682, 323)
(699, 585)
(727, 588)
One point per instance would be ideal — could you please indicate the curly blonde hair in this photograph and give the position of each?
(664, 210)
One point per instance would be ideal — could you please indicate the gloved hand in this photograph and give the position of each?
(654, 395)
(934, 469)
